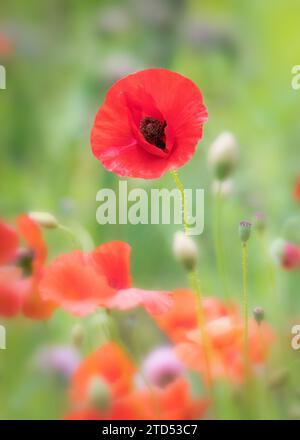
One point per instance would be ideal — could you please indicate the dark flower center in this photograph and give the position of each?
(24, 260)
(153, 131)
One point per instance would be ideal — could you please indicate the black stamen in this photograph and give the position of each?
(153, 131)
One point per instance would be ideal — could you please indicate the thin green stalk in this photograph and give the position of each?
(195, 286)
(218, 241)
(245, 306)
(184, 206)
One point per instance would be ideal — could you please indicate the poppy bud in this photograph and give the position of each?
(244, 231)
(260, 221)
(99, 394)
(223, 187)
(44, 219)
(185, 250)
(285, 254)
(223, 155)
(78, 335)
(258, 314)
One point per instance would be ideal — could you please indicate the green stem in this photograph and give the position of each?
(195, 286)
(219, 250)
(245, 307)
(69, 232)
(184, 206)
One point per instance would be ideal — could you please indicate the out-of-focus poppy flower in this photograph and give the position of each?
(297, 190)
(8, 243)
(111, 365)
(149, 123)
(182, 317)
(12, 289)
(80, 282)
(224, 330)
(31, 260)
(6, 45)
(285, 254)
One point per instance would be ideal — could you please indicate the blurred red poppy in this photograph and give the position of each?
(12, 289)
(9, 243)
(6, 45)
(111, 366)
(80, 282)
(297, 190)
(225, 332)
(149, 123)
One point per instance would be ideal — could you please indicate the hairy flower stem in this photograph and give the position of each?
(184, 206)
(219, 250)
(245, 307)
(195, 286)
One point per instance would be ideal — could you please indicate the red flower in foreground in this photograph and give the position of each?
(80, 282)
(22, 269)
(297, 190)
(225, 332)
(149, 123)
(8, 243)
(12, 289)
(117, 398)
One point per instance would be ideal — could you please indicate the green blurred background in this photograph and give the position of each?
(64, 55)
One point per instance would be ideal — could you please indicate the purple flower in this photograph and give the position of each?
(60, 360)
(162, 366)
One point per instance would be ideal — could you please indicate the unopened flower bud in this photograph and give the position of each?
(223, 155)
(258, 314)
(244, 231)
(260, 221)
(185, 250)
(78, 335)
(44, 219)
(99, 394)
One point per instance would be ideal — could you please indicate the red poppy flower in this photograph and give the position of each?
(149, 123)
(32, 260)
(9, 243)
(80, 282)
(12, 289)
(112, 366)
(297, 190)
(109, 363)
(6, 45)
(225, 332)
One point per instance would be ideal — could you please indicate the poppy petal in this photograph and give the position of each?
(110, 363)
(112, 260)
(9, 243)
(155, 302)
(73, 284)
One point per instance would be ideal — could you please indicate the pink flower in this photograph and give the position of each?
(161, 367)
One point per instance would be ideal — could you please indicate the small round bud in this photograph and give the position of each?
(78, 335)
(244, 231)
(185, 250)
(99, 394)
(44, 219)
(260, 221)
(258, 314)
(223, 155)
